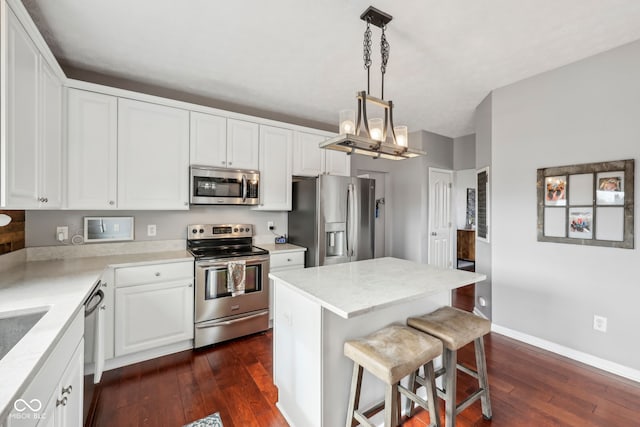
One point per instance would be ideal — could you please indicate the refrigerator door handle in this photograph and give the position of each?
(351, 220)
(348, 230)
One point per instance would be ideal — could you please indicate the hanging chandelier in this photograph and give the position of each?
(376, 137)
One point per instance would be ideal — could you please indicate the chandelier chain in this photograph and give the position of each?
(384, 50)
(366, 44)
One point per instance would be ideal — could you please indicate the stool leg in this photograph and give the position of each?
(391, 406)
(412, 386)
(450, 365)
(483, 379)
(432, 396)
(354, 394)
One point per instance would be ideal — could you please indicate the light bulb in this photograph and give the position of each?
(375, 129)
(347, 121)
(401, 135)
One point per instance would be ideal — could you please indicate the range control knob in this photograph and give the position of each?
(202, 230)
(194, 231)
(235, 230)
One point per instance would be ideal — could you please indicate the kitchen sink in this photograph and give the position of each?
(15, 326)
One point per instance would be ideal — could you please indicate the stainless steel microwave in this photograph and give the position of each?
(219, 186)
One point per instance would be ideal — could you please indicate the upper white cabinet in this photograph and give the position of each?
(153, 156)
(221, 142)
(92, 138)
(31, 132)
(311, 160)
(243, 141)
(275, 168)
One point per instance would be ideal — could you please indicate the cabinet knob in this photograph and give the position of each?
(230, 163)
(103, 307)
(191, 285)
(67, 390)
(104, 284)
(186, 203)
(223, 162)
(62, 401)
(111, 202)
(157, 274)
(289, 260)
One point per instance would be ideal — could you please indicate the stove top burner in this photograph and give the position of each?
(213, 241)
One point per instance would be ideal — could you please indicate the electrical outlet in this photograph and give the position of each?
(62, 233)
(270, 225)
(599, 323)
(151, 230)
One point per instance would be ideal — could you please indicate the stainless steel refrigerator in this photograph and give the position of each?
(333, 217)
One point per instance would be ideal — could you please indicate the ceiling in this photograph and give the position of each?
(303, 58)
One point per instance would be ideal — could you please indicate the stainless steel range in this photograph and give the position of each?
(219, 315)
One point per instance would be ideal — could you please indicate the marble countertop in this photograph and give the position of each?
(281, 248)
(61, 287)
(355, 288)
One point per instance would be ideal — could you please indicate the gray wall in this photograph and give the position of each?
(584, 112)
(464, 152)
(484, 135)
(41, 225)
(407, 194)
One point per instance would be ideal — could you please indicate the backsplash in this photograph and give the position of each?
(170, 225)
(12, 235)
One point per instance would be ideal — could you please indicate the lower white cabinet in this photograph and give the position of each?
(153, 314)
(55, 396)
(281, 261)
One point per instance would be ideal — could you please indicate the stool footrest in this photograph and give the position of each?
(363, 419)
(468, 371)
(466, 402)
(378, 407)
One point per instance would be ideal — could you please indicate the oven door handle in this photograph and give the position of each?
(213, 323)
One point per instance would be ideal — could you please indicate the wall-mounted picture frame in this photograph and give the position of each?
(587, 204)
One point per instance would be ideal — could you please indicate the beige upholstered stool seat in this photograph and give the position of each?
(456, 328)
(391, 354)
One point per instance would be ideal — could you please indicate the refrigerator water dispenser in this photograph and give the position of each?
(335, 239)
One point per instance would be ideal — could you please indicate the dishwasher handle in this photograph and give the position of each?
(92, 306)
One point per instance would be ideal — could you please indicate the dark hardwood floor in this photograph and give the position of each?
(529, 387)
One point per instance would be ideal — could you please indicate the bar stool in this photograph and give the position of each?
(456, 328)
(391, 354)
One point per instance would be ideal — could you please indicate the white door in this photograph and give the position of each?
(20, 181)
(308, 157)
(208, 136)
(71, 390)
(243, 145)
(92, 146)
(440, 218)
(153, 315)
(153, 156)
(50, 139)
(275, 168)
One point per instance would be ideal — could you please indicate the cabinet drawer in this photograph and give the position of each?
(288, 259)
(130, 276)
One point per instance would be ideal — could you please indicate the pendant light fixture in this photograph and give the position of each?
(360, 134)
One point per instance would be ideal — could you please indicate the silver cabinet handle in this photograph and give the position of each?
(223, 162)
(433, 233)
(289, 260)
(67, 390)
(230, 163)
(62, 401)
(186, 203)
(103, 307)
(157, 274)
(111, 202)
(191, 285)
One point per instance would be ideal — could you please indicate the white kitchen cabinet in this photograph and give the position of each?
(311, 160)
(153, 310)
(282, 261)
(92, 146)
(275, 168)
(57, 388)
(153, 156)
(31, 129)
(243, 142)
(226, 143)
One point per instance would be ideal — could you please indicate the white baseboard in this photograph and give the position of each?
(587, 359)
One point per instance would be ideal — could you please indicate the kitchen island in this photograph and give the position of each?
(317, 309)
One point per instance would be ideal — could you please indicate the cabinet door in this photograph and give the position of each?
(308, 158)
(275, 168)
(208, 140)
(70, 391)
(153, 156)
(50, 185)
(92, 144)
(243, 143)
(153, 315)
(337, 163)
(20, 180)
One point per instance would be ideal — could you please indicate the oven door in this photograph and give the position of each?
(214, 301)
(214, 186)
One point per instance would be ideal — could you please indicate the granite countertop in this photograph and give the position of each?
(355, 288)
(281, 248)
(61, 286)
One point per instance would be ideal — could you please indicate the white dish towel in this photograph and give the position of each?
(236, 277)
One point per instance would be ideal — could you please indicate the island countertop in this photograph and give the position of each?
(355, 288)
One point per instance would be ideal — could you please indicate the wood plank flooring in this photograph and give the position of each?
(529, 387)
